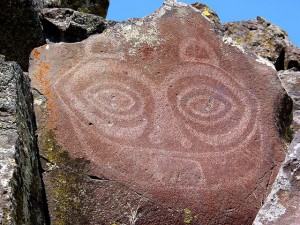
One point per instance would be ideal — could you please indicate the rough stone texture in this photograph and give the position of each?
(292, 59)
(290, 80)
(157, 120)
(97, 7)
(20, 30)
(266, 40)
(283, 204)
(2, 58)
(210, 14)
(67, 25)
(21, 200)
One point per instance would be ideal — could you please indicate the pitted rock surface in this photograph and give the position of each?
(67, 25)
(211, 15)
(283, 204)
(166, 116)
(266, 40)
(290, 80)
(97, 7)
(21, 200)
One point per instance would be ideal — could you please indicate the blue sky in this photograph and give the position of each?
(283, 13)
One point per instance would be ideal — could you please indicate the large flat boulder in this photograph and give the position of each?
(157, 121)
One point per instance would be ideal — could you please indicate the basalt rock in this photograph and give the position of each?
(211, 15)
(290, 80)
(20, 30)
(97, 7)
(283, 204)
(157, 121)
(266, 40)
(67, 25)
(22, 200)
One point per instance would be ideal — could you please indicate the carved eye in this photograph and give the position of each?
(213, 107)
(115, 102)
(116, 99)
(201, 103)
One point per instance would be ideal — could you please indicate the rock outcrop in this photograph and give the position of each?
(211, 15)
(22, 200)
(20, 30)
(156, 120)
(67, 25)
(283, 204)
(266, 40)
(97, 7)
(290, 80)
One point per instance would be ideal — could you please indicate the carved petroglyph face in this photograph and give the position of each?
(197, 114)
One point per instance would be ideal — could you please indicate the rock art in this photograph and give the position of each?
(158, 121)
(283, 204)
(67, 25)
(21, 200)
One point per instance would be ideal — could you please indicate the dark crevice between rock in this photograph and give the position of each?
(284, 118)
(51, 32)
(279, 64)
(97, 178)
(293, 64)
(30, 204)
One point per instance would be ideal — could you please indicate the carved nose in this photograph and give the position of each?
(166, 129)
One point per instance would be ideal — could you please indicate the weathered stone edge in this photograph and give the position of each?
(21, 184)
(273, 210)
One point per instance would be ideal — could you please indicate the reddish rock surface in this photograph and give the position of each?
(156, 120)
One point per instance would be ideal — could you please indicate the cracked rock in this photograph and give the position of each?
(21, 199)
(67, 25)
(283, 204)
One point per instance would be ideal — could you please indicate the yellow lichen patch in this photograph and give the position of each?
(187, 216)
(206, 13)
(239, 40)
(113, 223)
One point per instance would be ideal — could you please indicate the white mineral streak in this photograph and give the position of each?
(265, 62)
(231, 42)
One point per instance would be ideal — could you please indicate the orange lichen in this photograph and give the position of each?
(42, 80)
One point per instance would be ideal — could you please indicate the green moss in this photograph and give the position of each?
(83, 10)
(66, 194)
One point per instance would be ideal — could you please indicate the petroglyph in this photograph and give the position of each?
(178, 119)
(196, 106)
